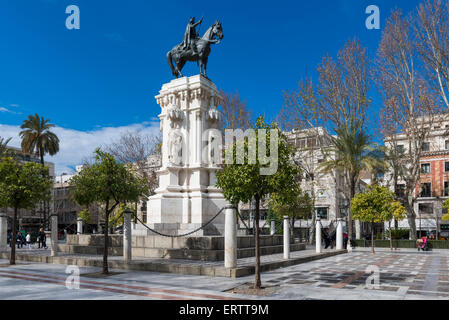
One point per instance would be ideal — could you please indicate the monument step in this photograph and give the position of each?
(93, 250)
(207, 254)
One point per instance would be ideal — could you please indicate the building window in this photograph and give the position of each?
(321, 193)
(425, 146)
(321, 213)
(425, 168)
(425, 208)
(426, 190)
(446, 189)
(446, 144)
(446, 166)
(400, 148)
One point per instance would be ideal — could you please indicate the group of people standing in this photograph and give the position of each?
(330, 238)
(24, 238)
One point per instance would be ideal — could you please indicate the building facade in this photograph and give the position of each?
(432, 188)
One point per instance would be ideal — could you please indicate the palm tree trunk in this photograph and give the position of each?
(257, 283)
(12, 259)
(106, 240)
(372, 237)
(352, 194)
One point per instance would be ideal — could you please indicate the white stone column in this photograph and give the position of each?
(79, 226)
(339, 240)
(54, 235)
(272, 227)
(230, 245)
(286, 237)
(127, 249)
(358, 229)
(318, 235)
(3, 232)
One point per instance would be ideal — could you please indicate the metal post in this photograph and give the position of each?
(54, 235)
(339, 244)
(127, 248)
(3, 232)
(230, 245)
(272, 228)
(318, 235)
(79, 226)
(286, 238)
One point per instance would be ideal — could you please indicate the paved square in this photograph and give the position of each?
(404, 274)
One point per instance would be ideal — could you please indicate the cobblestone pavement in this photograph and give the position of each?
(403, 275)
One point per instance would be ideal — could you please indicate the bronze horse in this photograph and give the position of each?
(180, 56)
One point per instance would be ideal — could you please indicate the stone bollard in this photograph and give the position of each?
(318, 235)
(230, 245)
(79, 226)
(54, 235)
(339, 240)
(127, 234)
(286, 237)
(272, 227)
(3, 232)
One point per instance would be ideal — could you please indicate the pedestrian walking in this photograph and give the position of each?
(28, 241)
(41, 239)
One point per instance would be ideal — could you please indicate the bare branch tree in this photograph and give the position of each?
(409, 106)
(339, 100)
(431, 26)
(135, 148)
(236, 114)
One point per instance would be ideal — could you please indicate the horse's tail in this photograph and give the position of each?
(170, 63)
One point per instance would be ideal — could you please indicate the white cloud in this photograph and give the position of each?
(75, 145)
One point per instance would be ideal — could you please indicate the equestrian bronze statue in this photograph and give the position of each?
(194, 48)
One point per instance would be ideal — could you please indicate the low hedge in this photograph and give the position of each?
(435, 244)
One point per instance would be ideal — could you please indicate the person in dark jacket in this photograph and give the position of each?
(42, 239)
(20, 240)
(327, 241)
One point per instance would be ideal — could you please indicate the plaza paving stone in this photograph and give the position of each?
(404, 274)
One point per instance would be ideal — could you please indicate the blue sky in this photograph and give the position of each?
(100, 80)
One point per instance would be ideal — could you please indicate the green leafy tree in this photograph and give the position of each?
(85, 216)
(293, 203)
(353, 153)
(116, 219)
(445, 217)
(378, 204)
(109, 183)
(244, 182)
(22, 186)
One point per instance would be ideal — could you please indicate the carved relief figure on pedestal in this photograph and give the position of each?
(175, 148)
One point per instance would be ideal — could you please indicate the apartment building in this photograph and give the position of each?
(432, 188)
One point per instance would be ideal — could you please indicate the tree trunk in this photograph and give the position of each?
(372, 237)
(257, 283)
(292, 231)
(411, 218)
(352, 194)
(391, 241)
(106, 242)
(12, 259)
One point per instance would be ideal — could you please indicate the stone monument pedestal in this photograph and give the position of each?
(191, 154)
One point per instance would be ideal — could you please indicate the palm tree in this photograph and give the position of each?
(4, 150)
(354, 152)
(37, 137)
